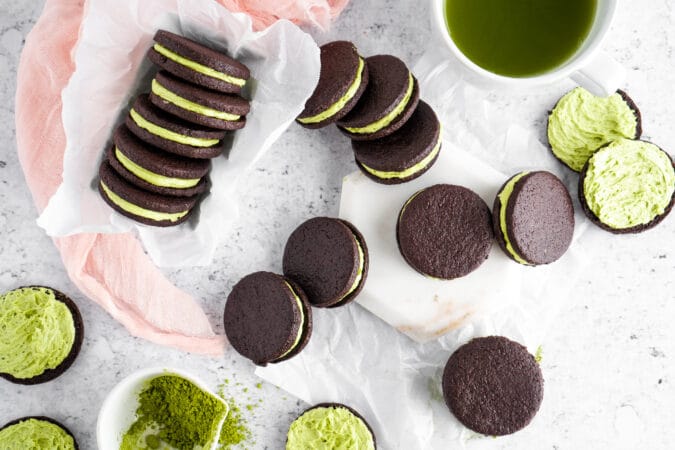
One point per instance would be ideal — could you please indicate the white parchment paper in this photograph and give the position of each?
(111, 70)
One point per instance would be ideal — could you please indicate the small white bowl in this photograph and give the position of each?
(118, 411)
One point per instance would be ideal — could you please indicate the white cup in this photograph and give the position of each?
(590, 67)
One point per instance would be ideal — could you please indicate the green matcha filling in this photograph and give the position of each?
(170, 135)
(204, 70)
(420, 166)
(337, 106)
(332, 428)
(629, 183)
(141, 212)
(504, 196)
(165, 94)
(581, 123)
(34, 434)
(154, 178)
(175, 413)
(37, 332)
(389, 118)
(302, 320)
(359, 272)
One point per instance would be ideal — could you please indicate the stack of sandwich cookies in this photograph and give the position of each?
(36, 433)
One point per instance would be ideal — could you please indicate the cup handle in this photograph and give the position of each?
(602, 76)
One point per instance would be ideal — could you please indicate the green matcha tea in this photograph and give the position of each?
(519, 38)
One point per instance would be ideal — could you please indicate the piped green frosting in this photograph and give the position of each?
(581, 123)
(629, 183)
(334, 428)
(168, 134)
(171, 97)
(37, 332)
(34, 434)
(152, 177)
(504, 196)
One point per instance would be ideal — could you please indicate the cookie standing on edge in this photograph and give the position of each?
(328, 258)
(41, 333)
(628, 186)
(493, 385)
(445, 231)
(533, 218)
(267, 318)
(34, 433)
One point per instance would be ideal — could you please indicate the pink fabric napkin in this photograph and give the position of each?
(113, 270)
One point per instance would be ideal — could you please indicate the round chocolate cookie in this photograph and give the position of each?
(198, 105)
(405, 154)
(36, 430)
(154, 170)
(493, 385)
(627, 186)
(267, 318)
(328, 258)
(142, 206)
(445, 231)
(25, 358)
(197, 63)
(174, 135)
(329, 426)
(533, 218)
(387, 103)
(343, 78)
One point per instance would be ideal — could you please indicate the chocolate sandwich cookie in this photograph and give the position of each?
(174, 135)
(387, 103)
(197, 105)
(41, 333)
(197, 63)
(328, 258)
(533, 218)
(445, 231)
(330, 426)
(154, 170)
(343, 79)
(267, 318)
(405, 154)
(627, 186)
(36, 433)
(580, 123)
(142, 206)
(493, 386)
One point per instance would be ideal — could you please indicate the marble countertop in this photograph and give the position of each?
(609, 359)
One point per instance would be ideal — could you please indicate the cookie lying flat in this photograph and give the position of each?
(329, 426)
(628, 186)
(328, 258)
(142, 206)
(197, 105)
(581, 123)
(36, 433)
(387, 103)
(162, 130)
(405, 154)
(533, 218)
(154, 170)
(267, 318)
(197, 63)
(445, 231)
(41, 333)
(493, 385)
(343, 79)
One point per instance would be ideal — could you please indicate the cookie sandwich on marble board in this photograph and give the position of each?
(36, 433)
(330, 426)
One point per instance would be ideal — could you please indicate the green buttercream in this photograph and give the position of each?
(175, 413)
(302, 320)
(423, 164)
(629, 183)
(504, 196)
(37, 332)
(204, 70)
(34, 434)
(359, 272)
(581, 123)
(170, 135)
(171, 97)
(329, 428)
(337, 106)
(152, 177)
(141, 212)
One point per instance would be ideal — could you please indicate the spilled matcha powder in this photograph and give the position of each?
(235, 431)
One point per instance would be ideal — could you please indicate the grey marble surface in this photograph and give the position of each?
(609, 360)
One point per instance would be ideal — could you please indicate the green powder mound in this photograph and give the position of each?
(235, 430)
(581, 123)
(174, 413)
(329, 428)
(37, 332)
(34, 434)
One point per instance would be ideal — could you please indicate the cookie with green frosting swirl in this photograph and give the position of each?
(36, 433)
